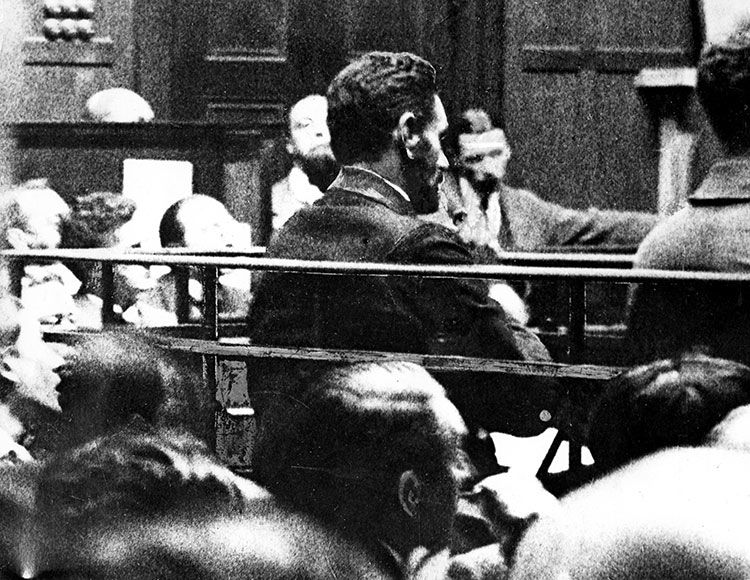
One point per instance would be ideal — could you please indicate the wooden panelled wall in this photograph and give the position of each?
(581, 133)
(557, 74)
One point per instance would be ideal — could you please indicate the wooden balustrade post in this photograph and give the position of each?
(181, 281)
(576, 351)
(108, 293)
(211, 332)
(15, 271)
(576, 320)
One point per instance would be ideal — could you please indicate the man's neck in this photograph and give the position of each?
(388, 167)
(393, 185)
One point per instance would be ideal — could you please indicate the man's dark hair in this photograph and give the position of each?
(138, 471)
(112, 377)
(367, 98)
(171, 229)
(337, 448)
(668, 403)
(724, 88)
(470, 121)
(94, 217)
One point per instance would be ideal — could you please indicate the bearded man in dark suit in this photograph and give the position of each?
(386, 121)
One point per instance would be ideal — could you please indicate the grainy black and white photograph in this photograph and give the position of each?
(375, 289)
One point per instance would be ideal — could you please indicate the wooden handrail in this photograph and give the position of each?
(218, 260)
(240, 349)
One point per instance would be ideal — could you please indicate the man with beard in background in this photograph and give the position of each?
(488, 212)
(314, 166)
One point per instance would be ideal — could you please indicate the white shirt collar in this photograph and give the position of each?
(301, 188)
(401, 192)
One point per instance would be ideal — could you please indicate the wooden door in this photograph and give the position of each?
(247, 60)
(581, 135)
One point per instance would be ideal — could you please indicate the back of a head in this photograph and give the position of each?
(337, 448)
(367, 98)
(118, 105)
(95, 218)
(180, 521)
(667, 403)
(724, 87)
(112, 377)
(139, 471)
(678, 514)
(197, 221)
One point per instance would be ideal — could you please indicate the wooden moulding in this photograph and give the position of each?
(96, 52)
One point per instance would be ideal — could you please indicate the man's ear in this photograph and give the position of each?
(18, 239)
(410, 493)
(408, 134)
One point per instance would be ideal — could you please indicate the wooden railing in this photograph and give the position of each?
(573, 270)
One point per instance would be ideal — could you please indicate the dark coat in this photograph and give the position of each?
(363, 219)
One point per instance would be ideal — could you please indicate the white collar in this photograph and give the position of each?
(401, 192)
(301, 188)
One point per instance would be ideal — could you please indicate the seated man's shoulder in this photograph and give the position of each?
(432, 243)
(669, 243)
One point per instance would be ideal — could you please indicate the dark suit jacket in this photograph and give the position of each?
(363, 219)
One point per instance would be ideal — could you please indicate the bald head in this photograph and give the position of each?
(200, 222)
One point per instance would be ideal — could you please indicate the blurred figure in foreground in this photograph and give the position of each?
(374, 450)
(678, 514)
(114, 377)
(667, 403)
(29, 408)
(153, 504)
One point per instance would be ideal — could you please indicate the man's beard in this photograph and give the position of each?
(424, 196)
(485, 186)
(320, 166)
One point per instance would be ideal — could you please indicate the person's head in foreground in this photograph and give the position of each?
(31, 216)
(724, 88)
(201, 222)
(373, 449)
(147, 503)
(672, 402)
(309, 141)
(733, 432)
(384, 114)
(678, 514)
(28, 377)
(113, 377)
